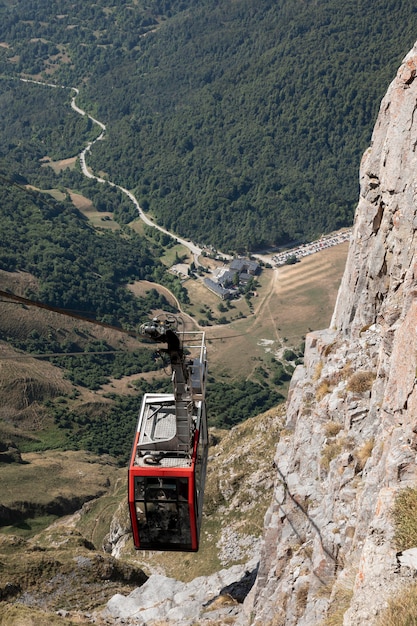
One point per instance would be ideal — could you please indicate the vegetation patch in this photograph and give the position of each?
(330, 451)
(331, 429)
(317, 371)
(301, 599)
(229, 404)
(69, 575)
(405, 519)
(57, 472)
(338, 607)
(361, 381)
(402, 609)
(363, 453)
(20, 614)
(323, 389)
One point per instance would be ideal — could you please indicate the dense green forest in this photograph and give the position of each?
(78, 268)
(238, 124)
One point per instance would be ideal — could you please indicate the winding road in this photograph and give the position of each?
(195, 250)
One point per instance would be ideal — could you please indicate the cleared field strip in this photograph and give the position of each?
(300, 278)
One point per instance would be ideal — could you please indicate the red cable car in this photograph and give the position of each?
(169, 457)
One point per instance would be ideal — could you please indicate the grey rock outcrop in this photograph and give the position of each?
(208, 599)
(352, 410)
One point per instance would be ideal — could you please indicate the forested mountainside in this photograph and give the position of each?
(77, 268)
(238, 124)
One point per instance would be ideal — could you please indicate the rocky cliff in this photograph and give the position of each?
(329, 555)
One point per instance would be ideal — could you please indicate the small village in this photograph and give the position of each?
(225, 281)
(233, 277)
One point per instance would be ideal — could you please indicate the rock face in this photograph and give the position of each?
(352, 411)
(163, 600)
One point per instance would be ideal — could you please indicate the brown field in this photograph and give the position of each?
(58, 166)
(56, 471)
(99, 219)
(305, 293)
(169, 258)
(200, 296)
(141, 287)
(81, 202)
(290, 302)
(125, 386)
(55, 193)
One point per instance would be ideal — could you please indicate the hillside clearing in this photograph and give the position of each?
(292, 301)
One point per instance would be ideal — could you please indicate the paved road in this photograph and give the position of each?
(194, 249)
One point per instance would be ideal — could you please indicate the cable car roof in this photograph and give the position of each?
(158, 437)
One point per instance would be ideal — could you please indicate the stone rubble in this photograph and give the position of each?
(208, 599)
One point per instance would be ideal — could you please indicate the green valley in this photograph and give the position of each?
(237, 124)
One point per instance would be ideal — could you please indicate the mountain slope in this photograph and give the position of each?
(338, 547)
(255, 139)
(67, 566)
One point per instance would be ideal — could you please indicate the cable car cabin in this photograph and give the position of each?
(168, 465)
(166, 483)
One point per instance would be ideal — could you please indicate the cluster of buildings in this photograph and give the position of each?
(225, 281)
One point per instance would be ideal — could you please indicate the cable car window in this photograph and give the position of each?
(162, 510)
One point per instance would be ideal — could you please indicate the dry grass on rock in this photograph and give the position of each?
(401, 610)
(404, 519)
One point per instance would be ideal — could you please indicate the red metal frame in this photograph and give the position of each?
(166, 472)
(166, 514)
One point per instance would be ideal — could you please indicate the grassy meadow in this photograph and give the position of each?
(291, 301)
